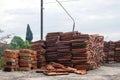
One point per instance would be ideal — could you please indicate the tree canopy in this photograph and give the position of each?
(29, 34)
(18, 43)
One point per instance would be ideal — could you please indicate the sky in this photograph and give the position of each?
(91, 17)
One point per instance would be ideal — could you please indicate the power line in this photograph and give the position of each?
(62, 1)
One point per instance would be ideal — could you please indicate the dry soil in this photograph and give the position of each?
(106, 72)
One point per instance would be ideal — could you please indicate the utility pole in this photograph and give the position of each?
(41, 17)
(67, 14)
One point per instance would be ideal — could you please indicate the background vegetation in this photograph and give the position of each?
(16, 42)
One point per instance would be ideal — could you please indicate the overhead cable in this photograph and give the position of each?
(62, 1)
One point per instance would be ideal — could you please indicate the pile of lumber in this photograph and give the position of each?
(106, 51)
(51, 51)
(74, 49)
(40, 48)
(27, 59)
(117, 51)
(67, 36)
(112, 51)
(79, 54)
(81, 51)
(10, 60)
(109, 49)
(53, 68)
(96, 45)
(64, 55)
(87, 51)
(64, 48)
(34, 59)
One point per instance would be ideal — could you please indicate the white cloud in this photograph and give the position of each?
(112, 36)
(91, 16)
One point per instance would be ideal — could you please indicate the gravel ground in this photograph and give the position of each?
(106, 72)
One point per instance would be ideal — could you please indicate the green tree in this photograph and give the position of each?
(3, 47)
(18, 43)
(26, 45)
(29, 34)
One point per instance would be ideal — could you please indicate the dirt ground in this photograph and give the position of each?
(106, 72)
